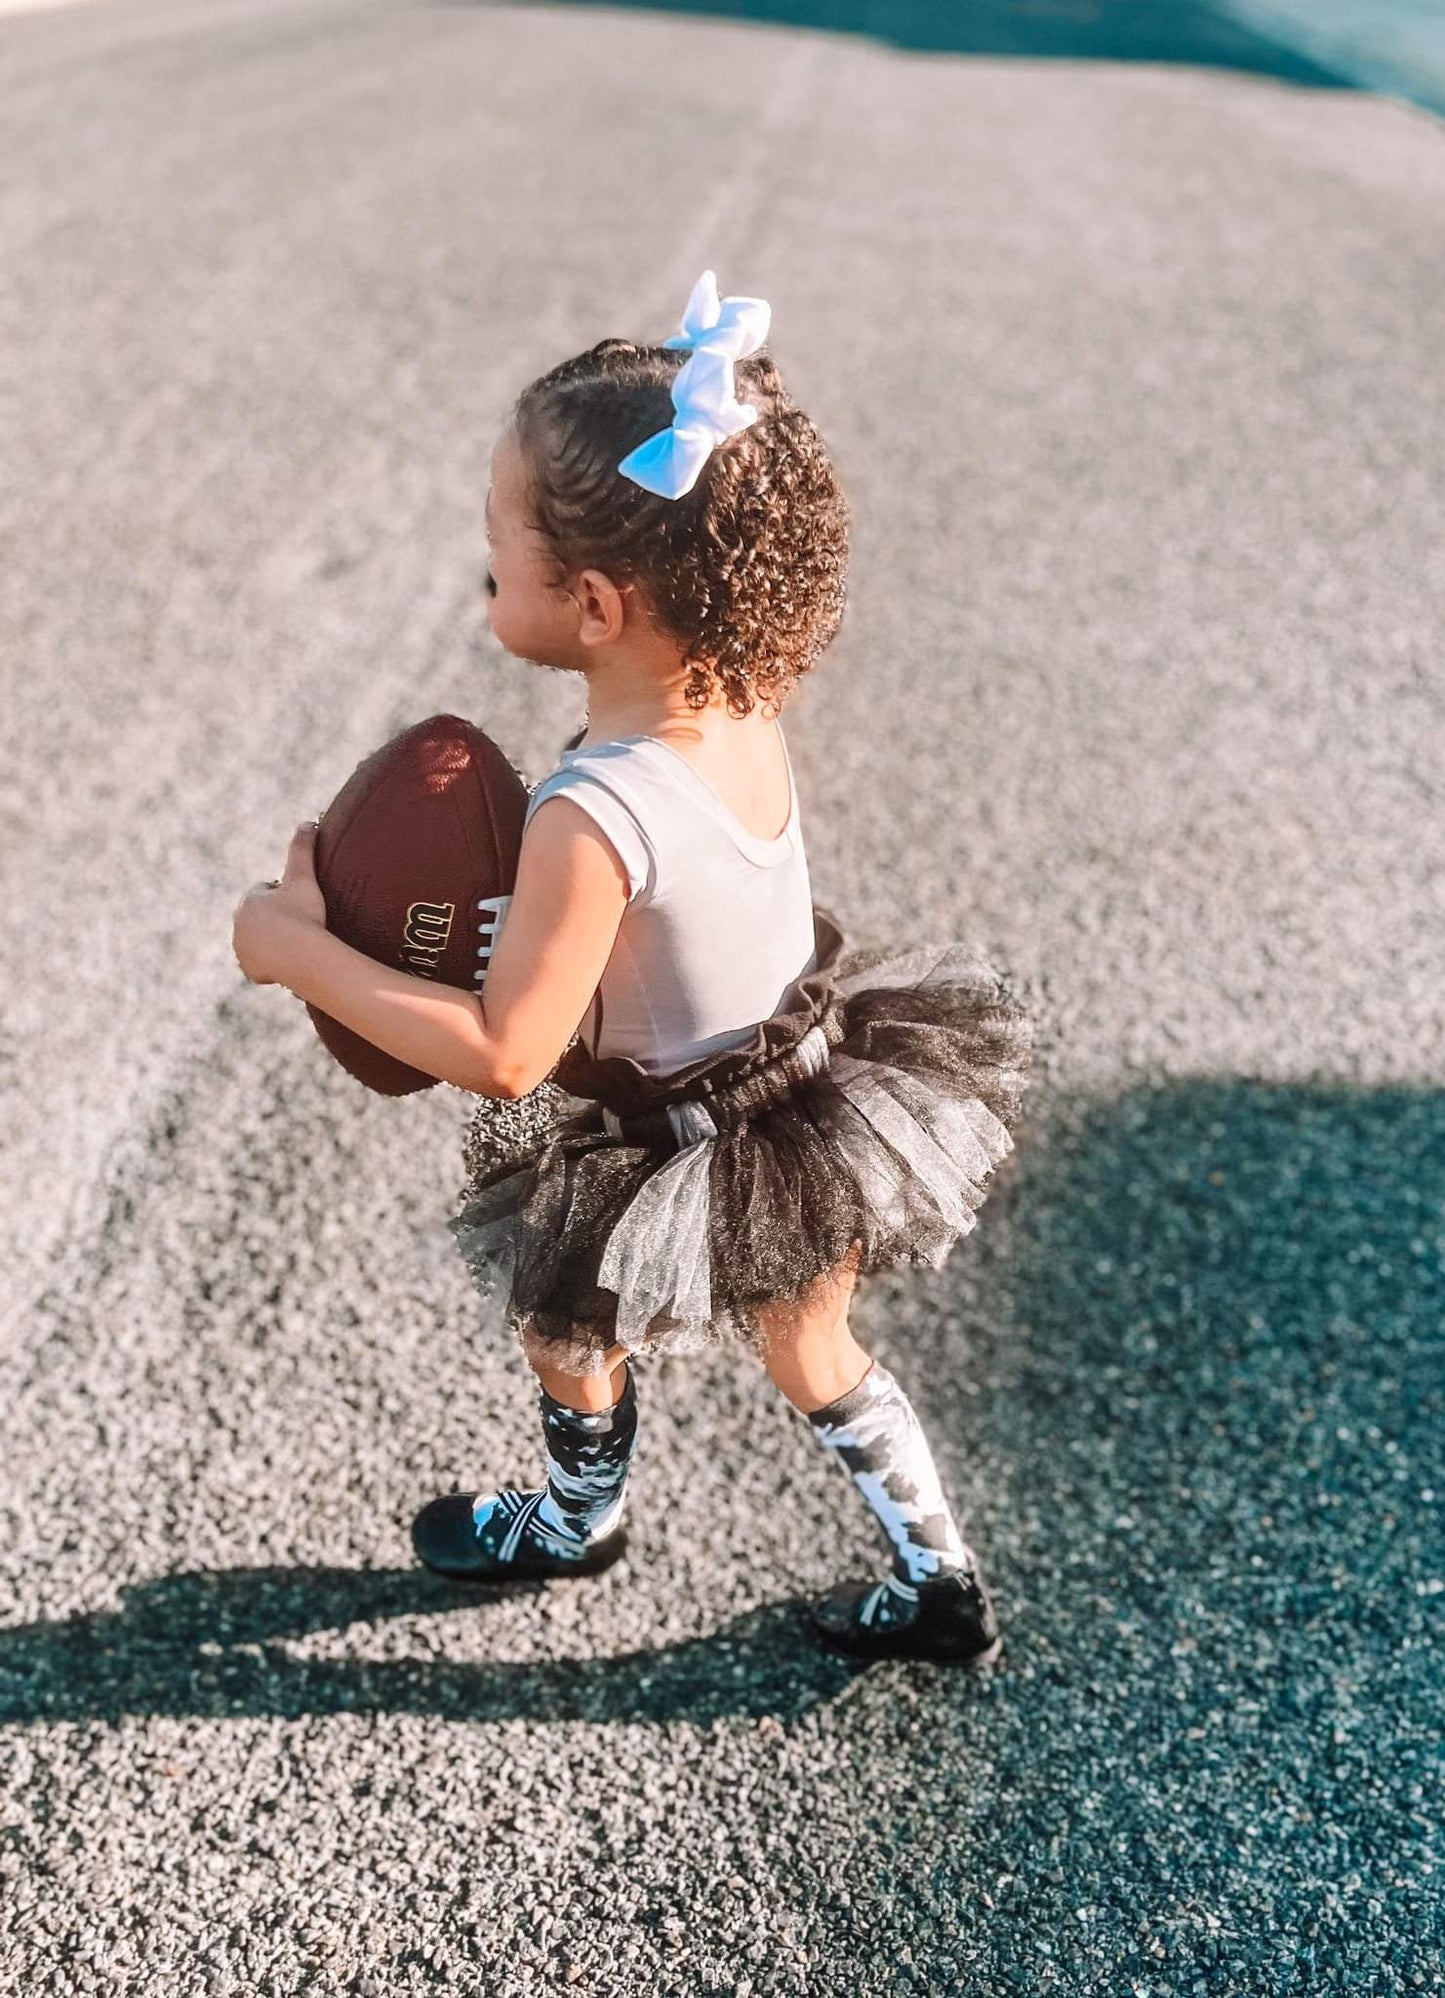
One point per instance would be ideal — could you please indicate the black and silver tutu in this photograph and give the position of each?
(614, 1207)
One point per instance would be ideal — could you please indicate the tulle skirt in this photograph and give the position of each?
(610, 1207)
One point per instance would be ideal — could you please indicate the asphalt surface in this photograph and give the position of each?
(1133, 374)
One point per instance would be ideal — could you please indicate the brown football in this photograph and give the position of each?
(417, 858)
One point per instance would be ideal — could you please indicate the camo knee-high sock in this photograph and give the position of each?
(874, 1434)
(589, 1453)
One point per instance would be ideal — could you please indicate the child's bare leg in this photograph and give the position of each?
(584, 1392)
(810, 1353)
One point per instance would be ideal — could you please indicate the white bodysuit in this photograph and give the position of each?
(718, 927)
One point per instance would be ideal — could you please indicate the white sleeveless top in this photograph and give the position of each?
(718, 927)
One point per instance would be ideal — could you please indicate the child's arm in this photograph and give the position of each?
(569, 898)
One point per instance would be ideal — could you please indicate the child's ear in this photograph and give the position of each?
(601, 607)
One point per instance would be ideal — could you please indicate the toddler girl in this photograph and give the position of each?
(706, 1116)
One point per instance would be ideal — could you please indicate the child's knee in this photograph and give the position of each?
(577, 1387)
(819, 1309)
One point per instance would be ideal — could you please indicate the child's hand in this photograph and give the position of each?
(269, 916)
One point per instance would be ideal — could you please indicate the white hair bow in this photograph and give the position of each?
(704, 395)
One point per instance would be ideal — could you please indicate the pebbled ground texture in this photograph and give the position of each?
(1132, 372)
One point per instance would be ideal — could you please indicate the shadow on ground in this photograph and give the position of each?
(216, 1646)
(1158, 31)
(1211, 1402)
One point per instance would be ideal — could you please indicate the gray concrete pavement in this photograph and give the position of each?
(1132, 374)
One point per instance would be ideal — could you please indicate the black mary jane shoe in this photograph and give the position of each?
(953, 1623)
(449, 1542)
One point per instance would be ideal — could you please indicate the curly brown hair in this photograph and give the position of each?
(748, 570)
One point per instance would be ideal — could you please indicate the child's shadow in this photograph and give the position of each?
(217, 1646)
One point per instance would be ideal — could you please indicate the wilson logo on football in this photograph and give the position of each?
(428, 926)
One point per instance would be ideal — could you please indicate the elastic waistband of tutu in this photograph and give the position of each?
(678, 1125)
